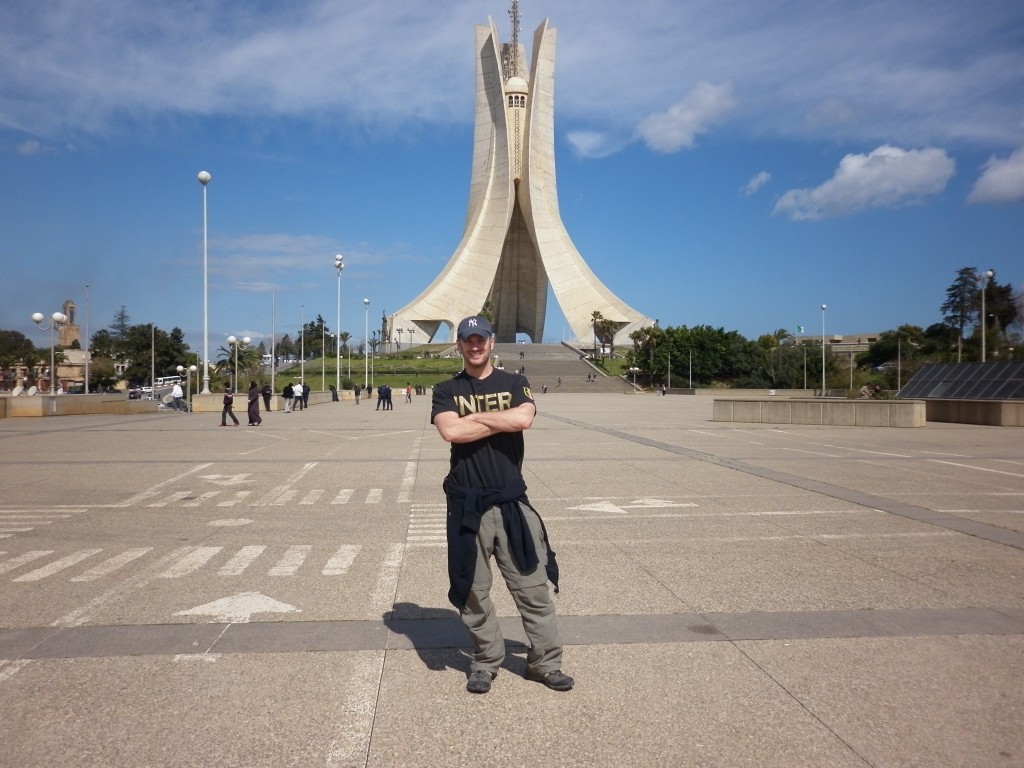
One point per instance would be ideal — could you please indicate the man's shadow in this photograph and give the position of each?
(437, 636)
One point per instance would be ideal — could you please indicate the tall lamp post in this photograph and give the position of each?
(187, 372)
(986, 277)
(204, 179)
(339, 266)
(633, 370)
(400, 332)
(411, 332)
(57, 319)
(235, 342)
(366, 336)
(823, 308)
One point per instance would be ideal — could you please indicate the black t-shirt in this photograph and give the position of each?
(494, 461)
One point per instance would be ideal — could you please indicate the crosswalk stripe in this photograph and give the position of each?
(341, 561)
(283, 498)
(293, 559)
(193, 561)
(58, 565)
(374, 496)
(201, 498)
(241, 560)
(311, 497)
(176, 496)
(28, 557)
(343, 496)
(239, 496)
(107, 567)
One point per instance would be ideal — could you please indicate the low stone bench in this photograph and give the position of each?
(831, 412)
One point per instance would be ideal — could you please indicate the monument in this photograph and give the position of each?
(514, 244)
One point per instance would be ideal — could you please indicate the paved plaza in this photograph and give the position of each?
(179, 594)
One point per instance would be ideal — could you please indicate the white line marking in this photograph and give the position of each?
(83, 613)
(196, 558)
(312, 497)
(241, 560)
(383, 596)
(351, 743)
(152, 490)
(343, 496)
(58, 565)
(28, 557)
(979, 469)
(341, 561)
(293, 559)
(374, 496)
(109, 566)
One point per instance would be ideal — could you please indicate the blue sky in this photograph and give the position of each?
(734, 164)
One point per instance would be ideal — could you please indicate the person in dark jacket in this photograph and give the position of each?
(229, 399)
(266, 392)
(288, 393)
(483, 412)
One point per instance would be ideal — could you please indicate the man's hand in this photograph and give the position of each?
(476, 426)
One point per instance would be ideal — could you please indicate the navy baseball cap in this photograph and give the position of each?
(475, 325)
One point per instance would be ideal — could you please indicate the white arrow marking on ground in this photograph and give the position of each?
(601, 506)
(607, 506)
(648, 503)
(238, 608)
(227, 479)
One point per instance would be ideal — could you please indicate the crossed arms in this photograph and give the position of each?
(476, 426)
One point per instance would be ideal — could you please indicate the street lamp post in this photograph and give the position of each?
(187, 373)
(633, 370)
(339, 266)
(986, 277)
(823, 308)
(400, 332)
(366, 337)
(411, 331)
(204, 179)
(57, 319)
(235, 342)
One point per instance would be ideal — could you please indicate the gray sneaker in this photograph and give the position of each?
(555, 680)
(480, 681)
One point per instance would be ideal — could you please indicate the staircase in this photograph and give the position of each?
(546, 364)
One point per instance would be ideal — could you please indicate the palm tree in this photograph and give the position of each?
(596, 318)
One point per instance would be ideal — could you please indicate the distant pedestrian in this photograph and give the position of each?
(559, 382)
(298, 404)
(305, 395)
(380, 397)
(358, 391)
(229, 399)
(254, 405)
(266, 392)
(388, 405)
(176, 395)
(408, 392)
(288, 393)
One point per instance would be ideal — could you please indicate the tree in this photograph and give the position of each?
(959, 307)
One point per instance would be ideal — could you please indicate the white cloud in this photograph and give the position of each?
(758, 181)
(696, 113)
(887, 177)
(1001, 182)
(593, 143)
(936, 70)
(29, 148)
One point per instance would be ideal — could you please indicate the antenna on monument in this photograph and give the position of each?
(514, 64)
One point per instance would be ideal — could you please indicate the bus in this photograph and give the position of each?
(168, 381)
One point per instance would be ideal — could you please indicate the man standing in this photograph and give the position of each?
(176, 395)
(482, 412)
(288, 393)
(229, 400)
